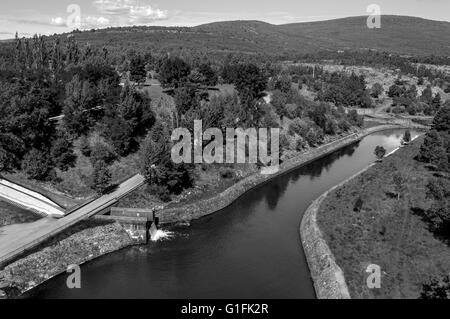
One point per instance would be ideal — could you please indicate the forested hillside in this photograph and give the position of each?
(398, 34)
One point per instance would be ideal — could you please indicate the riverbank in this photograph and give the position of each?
(328, 277)
(81, 243)
(192, 211)
(363, 222)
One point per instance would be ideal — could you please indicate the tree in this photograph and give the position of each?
(137, 69)
(11, 150)
(438, 217)
(441, 121)
(186, 98)
(407, 136)
(436, 102)
(81, 97)
(355, 119)
(250, 82)
(62, 153)
(174, 72)
(396, 91)
(279, 101)
(431, 147)
(380, 152)
(101, 177)
(427, 95)
(161, 173)
(209, 75)
(229, 72)
(120, 135)
(283, 83)
(399, 184)
(135, 109)
(37, 165)
(438, 189)
(377, 90)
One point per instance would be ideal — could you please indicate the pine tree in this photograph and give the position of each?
(430, 148)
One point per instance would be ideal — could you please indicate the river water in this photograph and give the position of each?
(251, 249)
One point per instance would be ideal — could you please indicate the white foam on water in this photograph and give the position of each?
(161, 235)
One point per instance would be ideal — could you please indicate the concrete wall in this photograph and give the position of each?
(28, 199)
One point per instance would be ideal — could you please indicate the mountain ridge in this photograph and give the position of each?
(398, 34)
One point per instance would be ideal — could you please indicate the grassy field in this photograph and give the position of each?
(385, 231)
(10, 214)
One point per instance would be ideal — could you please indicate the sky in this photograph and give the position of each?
(28, 17)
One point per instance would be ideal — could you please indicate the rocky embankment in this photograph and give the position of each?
(328, 277)
(78, 245)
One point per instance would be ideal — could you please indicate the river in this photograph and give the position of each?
(251, 249)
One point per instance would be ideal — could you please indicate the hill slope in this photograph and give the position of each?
(398, 34)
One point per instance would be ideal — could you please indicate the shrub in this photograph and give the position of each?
(438, 217)
(358, 205)
(436, 289)
(161, 191)
(355, 119)
(292, 111)
(314, 136)
(300, 144)
(297, 126)
(226, 172)
(284, 142)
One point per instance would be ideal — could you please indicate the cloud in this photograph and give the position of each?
(112, 13)
(95, 22)
(87, 22)
(130, 11)
(58, 21)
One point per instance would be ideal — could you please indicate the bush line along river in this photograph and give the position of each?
(251, 249)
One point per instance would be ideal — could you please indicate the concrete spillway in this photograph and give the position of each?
(28, 199)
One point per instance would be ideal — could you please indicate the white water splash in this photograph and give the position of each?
(161, 235)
